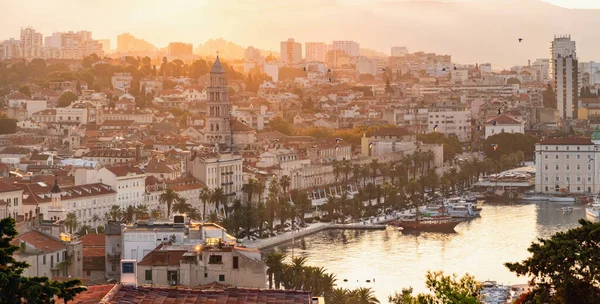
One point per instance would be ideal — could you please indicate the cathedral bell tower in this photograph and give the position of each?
(217, 129)
(55, 211)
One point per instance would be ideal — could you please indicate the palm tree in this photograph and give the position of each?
(194, 214)
(168, 197)
(181, 205)
(204, 197)
(218, 198)
(260, 189)
(274, 262)
(374, 166)
(249, 189)
(346, 169)
(155, 213)
(128, 213)
(142, 212)
(71, 221)
(115, 213)
(337, 169)
(84, 229)
(356, 171)
(338, 296)
(363, 295)
(285, 182)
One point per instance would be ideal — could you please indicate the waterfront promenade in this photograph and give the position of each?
(377, 223)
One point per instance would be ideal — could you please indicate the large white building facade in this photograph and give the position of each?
(450, 121)
(568, 164)
(561, 46)
(351, 48)
(291, 52)
(316, 51)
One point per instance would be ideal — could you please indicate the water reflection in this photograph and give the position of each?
(392, 260)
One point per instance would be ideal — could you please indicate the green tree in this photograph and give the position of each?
(168, 198)
(181, 205)
(565, 267)
(274, 262)
(27, 289)
(204, 196)
(451, 144)
(219, 199)
(115, 213)
(501, 144)
(278, 124)
(25, 90)
(66, 99)
(443, 289)
(549, 97)
(7, 125)
(71, 221)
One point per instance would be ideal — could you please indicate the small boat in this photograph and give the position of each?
(562, 199)
(428, 224)
(567, 209)
(534, 196)
(593, 209)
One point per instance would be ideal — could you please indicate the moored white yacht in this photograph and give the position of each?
(534, 196)
(593, 209)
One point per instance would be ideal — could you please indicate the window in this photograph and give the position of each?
(57, 257)
(206, 274)
(589, 167)
(88, 272)
(556, 156)
(148, 274)
(545, 167)
(127, 268)
(44, 260)
(558, 179)
(578, 148)
(578, 167)
(578, 156)
(546, 178)
(579, 178)
(215, 259)
(589, 179)
(567, 156)
(235, 262)
(221, 277)
(546, 156)
(567, 167)
(556, 166)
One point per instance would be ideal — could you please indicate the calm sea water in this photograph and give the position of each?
(392, 260)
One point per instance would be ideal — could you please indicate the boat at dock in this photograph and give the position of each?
(428, 224)
(562, 199)
(593, 209)
(534, 196)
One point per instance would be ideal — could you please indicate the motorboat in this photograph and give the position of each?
(534, 196)
(567, 209)
(562, 199)
(593, 209)
(428, 224)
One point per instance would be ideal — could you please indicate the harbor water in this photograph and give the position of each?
(392, 260)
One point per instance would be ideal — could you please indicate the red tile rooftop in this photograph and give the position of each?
(583, 141)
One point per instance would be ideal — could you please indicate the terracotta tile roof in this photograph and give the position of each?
(583, 141)
(46, 112)
(93, 240)
(93, 295)
(94, 252)
(5, 187)
(118, 123)
(35, 193)
(159, 257)
(238, 126)
(17, 95)
(231, 296)
(112, 153)
(15, 150)
(124, 170)
(503, 120)
(41, 241)
(390, 131)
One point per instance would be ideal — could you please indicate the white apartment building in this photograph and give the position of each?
(81, 113)
(398, 51)
(217, 170)
(351, 48)
(459, 76)
(291, 52)
(10, 201)
(316, 51)
(10, 49)
(141, 238)
(32, 106)
(561, 46)
(566, 86)
(503, 124)
(128, 182)
(450, 121)
(542, 65)
(366, 66)
(72, 45)
(31, 43)
(568, 164)
(121, 81)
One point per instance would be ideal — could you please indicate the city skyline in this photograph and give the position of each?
(198, 21)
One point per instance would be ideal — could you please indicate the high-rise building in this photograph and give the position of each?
(105, 45)
(126, 43)
(180, 49)
(564, 68)
(31, 43)
(72, 45)
(351, 48)
(10, 49)
(291, 52)
(561, 46)
(316, 51)
(398, 51)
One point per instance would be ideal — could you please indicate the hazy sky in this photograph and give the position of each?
(261, 23)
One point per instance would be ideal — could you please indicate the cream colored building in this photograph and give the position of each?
(217, 170)
(198, 265)
(10, 201)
